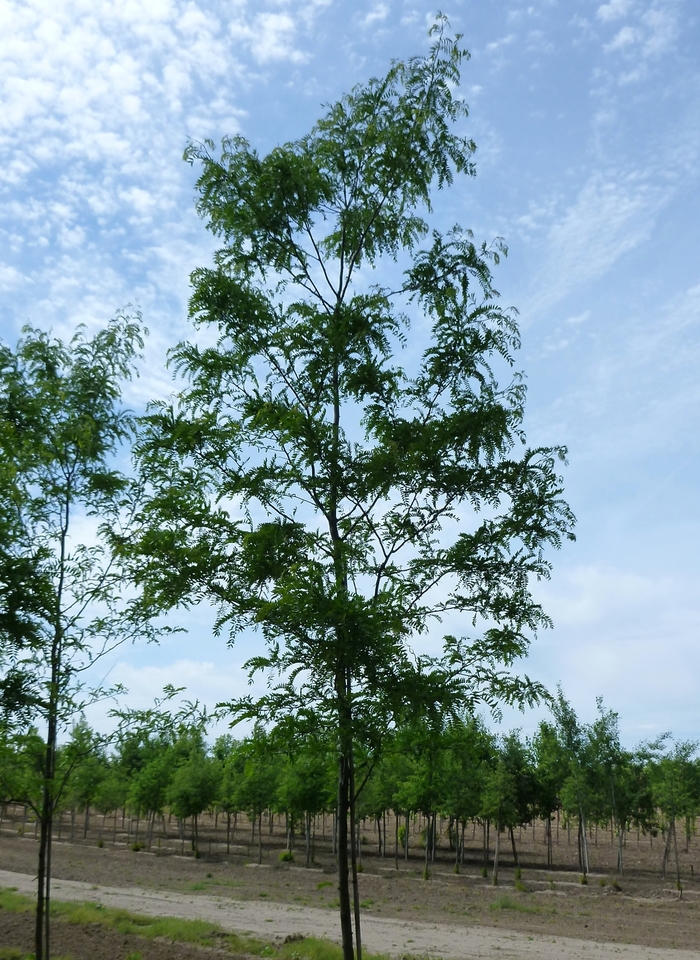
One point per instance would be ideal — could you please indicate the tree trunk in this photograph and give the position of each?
(667, 848)
(260, 838)
(228, 832)
(343, 866)
(426, 872)
(396, 840)
(515, 852)
(354, 848)
(620, 840)
(678, 866)
(496, 853)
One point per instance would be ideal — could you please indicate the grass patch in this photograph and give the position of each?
(508, 903)
(312, 948)
(198, 932)
(15, 902)
(323, 883)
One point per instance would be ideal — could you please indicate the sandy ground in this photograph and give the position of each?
(381, 935)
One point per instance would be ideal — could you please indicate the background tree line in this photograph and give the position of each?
(454, 774)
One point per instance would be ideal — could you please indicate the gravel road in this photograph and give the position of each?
(379, 935)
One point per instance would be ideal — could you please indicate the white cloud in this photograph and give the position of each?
(270, 37)
(611, 216)
(624, 38)
(652, 30)
(613, 10)
(377, 14)
(497, 45)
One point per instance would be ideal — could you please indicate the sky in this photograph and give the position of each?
(586, 118)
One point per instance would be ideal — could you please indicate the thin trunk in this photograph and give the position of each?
(426, 873)
(260, 838)
(354, 847)
(496, 853)
(343, 866)
(620, 839)
(584, 844)
(515, 852)
(678, 866)
(228, 832)
(396, 840)
(667, 848)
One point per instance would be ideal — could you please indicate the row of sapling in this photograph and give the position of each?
(320, 475)
(454, 770)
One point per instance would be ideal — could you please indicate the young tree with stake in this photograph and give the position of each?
(313, 478)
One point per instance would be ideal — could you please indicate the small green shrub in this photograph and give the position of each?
(323, 883)
(507, 903)
(286, 856)
(519, 885)
(137, 846)
(584, 879)
(100, 843)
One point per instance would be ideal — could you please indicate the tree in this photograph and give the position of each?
(316, 479)
(62, 602)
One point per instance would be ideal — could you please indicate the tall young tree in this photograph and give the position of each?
(62, 602)
(317, 477)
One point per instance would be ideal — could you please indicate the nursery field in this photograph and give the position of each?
(639, 908)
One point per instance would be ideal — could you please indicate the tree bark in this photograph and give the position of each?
(496, 854)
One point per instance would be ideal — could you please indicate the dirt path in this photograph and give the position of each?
(381, 935)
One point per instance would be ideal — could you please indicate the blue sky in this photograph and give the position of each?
(587, 122)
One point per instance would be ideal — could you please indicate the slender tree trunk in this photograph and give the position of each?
(260, 838)
(426, 872)
(678, 866)
(583, 843)
(515, 852)
(343, 865)
(228, 832)
(667, 848)
(354, 848)
(496, 854)
(396, 840)
(620, 839)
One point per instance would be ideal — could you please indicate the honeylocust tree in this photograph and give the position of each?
(62, 598)
(324, 476)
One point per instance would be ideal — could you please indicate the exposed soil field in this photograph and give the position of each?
(551, 903)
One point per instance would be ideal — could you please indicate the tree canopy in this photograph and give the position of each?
(316, 477)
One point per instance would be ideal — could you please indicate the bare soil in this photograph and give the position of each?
(550, 903)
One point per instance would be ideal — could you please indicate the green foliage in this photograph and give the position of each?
(508, 903)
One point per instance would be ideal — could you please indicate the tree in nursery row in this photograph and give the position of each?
(433, 767)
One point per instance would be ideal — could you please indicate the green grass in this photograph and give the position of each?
(198, 932)
(508, 903)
